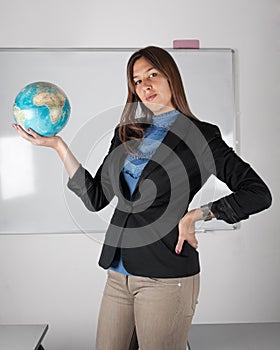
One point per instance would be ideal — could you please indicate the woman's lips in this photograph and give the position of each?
(151, 97)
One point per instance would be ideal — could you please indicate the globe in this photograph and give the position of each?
(43, 107)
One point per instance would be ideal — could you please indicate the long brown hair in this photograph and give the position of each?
(132, 128)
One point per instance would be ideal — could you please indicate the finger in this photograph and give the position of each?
(36, 138)
(179, 245)
(33, 133)
(21, 131)
(31, 136)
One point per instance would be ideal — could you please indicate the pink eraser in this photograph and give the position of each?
(186, 44)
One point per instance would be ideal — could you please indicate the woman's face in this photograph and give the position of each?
(152, 87)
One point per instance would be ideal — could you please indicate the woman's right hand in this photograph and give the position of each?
(35, 139)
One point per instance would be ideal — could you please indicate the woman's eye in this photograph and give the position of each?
(153, 75)
(137, 82)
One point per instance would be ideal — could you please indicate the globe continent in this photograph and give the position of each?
(43, 107)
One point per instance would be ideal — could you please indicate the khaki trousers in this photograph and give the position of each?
(158, 310)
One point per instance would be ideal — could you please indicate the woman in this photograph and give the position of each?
(160, 156)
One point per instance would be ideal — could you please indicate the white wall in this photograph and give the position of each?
(55, 279)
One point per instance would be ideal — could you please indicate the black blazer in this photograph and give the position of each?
(145, 224)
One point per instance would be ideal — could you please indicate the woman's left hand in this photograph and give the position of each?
(186, 228)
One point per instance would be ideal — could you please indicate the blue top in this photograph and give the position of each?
(134, 165)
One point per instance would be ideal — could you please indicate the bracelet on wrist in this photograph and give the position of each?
(206, 212)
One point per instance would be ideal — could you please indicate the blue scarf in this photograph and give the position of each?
(155, 133)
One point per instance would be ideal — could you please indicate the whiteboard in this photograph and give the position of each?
(34, 197)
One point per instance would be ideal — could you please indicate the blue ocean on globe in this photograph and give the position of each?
(43, 107)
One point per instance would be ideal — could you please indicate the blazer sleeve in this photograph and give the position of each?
(94, 192)
(250, 194)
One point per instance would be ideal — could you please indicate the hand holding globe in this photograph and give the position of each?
(41, 110)
(36, 139)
